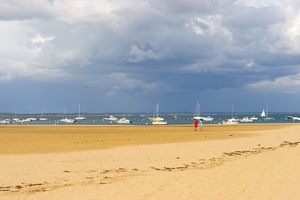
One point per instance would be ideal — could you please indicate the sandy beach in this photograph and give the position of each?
(256, 161)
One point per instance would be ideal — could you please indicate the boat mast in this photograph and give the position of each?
(157, 105)
(78, 110)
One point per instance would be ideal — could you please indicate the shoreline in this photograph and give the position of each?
(149, 125)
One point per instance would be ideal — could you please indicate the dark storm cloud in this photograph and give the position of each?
(148, 50)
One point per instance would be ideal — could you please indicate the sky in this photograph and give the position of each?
(128, 55)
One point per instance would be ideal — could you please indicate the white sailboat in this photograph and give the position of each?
(41, 117)
(266, 118)
(31, 118)
(16, 119)
(67, 120)
(156, 120)
(79, 117)
(263, 114)
(232, 120)
(197, 112)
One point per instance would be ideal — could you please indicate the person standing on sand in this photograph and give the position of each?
(201, 124)
(195, 124)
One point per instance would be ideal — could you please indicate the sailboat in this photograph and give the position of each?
(266, 118)
(79, 117)
(156, 120)
(67, 120)
(41, 117)
(16, 119)
(31, 118)
(197, 112)
(263, 114)
(232, 120)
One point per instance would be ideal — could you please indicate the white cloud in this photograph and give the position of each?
(284, 36)
(40, 39)
(137, 55)
(260, 3)
(92, 11)
(250, 63)
(209, 25)
(18, 69)
(284, 84)
(38, 42)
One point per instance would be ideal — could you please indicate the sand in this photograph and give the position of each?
(257, 161)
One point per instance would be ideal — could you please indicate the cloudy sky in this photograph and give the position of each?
(128, 55)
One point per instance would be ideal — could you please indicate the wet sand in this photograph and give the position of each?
(26, 139)
(255, 161)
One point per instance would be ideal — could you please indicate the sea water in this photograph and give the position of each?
(143, 119)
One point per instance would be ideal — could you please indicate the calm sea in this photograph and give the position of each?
(142, 119)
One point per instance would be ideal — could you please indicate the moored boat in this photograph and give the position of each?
(79, 117)
(5, 121)
(253, 118)
(230, 121)
(246, 119)
(42, 118)
(265, 115)
(156, 120)
(67, 120)
(110, 118)
(123, 120)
